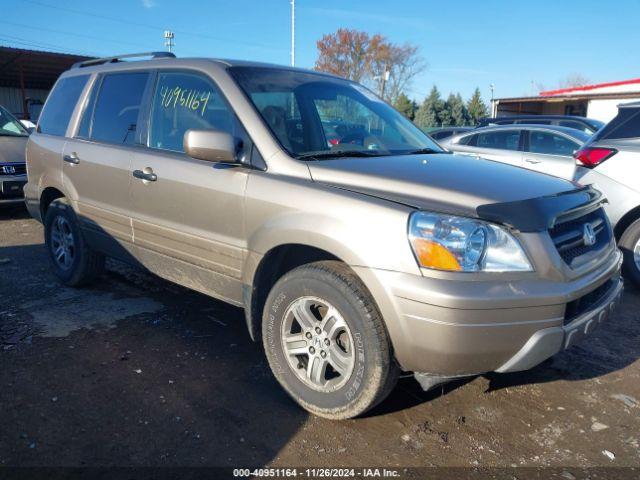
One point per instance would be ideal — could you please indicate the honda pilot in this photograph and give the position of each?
(357, 246)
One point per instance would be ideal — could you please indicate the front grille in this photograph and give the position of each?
(13, 169)
(587, 302)
(569, 236)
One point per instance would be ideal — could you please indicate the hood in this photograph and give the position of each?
(439, 182)
(12, 149)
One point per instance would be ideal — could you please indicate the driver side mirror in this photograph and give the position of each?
(210, 145)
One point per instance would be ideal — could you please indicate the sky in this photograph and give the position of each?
(515, 45)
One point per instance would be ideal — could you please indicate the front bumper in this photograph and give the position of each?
(549, 341)
(11, 188)
(454, 328)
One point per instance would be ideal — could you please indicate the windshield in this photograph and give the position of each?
(315, 115)
(10, 126)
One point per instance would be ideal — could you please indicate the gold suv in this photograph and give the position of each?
(357, 246)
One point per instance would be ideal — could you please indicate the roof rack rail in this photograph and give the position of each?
(118, 58)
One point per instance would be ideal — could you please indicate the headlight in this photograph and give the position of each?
(444, 242)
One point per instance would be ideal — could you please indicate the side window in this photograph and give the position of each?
(470, 140)
(551, 144)
(60, 104)
(184, 101)
(575, 125)
(502, 140)
(115, 115)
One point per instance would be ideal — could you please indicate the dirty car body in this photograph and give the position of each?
(404, 256)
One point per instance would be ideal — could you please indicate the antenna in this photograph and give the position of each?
(168, 37)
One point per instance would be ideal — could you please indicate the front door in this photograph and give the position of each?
(187, 213)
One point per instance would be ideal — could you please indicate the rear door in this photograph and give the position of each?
(97, 161)
(188, 221)
(551, 153)
(502, 145)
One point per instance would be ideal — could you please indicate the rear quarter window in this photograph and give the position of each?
(625, 125)
(60, 105)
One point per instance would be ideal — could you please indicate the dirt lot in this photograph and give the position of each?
(138, 371)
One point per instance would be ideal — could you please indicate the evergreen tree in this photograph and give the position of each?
(476, 107)
(428, 114)
(405, 106)
(459, 113)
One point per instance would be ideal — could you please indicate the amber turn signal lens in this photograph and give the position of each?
(433, 255)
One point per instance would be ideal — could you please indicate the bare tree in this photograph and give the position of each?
(574, 80)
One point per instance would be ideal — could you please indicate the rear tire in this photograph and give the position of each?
(74, 262)
(630, 245)
(326, 342)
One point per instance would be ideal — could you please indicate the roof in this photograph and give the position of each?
(40, 69)
(572, 132)
(570, 97)
(586, 88)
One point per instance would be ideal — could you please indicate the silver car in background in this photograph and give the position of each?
(545, 148)
(611, 162)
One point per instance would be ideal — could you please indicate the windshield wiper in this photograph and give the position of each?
(339, 153)
(425, 151)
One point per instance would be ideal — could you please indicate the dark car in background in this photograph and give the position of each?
(446, 132)
(13, 171)
(588, 125)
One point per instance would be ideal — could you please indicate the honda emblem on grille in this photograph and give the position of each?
(589, 235)
(9, 169)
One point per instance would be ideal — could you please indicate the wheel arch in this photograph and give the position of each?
(626, 220)
(270, 267)
(48, 195)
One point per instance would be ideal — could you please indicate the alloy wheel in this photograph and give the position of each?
(318, 344)
(63, 245)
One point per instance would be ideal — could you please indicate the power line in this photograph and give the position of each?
(61, 32)
(47, 46)
(145, 25)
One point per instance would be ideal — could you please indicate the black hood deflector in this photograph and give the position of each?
(538, 214)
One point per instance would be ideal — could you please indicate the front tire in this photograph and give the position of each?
(630, 245)
(74, 262)
(326, 342)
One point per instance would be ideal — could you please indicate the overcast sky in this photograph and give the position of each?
(465, 43)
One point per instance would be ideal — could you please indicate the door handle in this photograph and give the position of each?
(532, 160)
(148, 176)
(72, 158)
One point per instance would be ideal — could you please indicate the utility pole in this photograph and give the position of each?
(293, 33)
(168, 40)
(493, 113)
(383, 81)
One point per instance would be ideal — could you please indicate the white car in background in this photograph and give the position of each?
(610, 161)
(544, 148)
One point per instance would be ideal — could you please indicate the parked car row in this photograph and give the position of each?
(607, 159)
(357, 245)
(13, 171)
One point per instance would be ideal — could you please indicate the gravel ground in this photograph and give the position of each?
(137, 371)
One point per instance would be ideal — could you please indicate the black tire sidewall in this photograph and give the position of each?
(367, 376)
(63, 209)
(627, 243)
